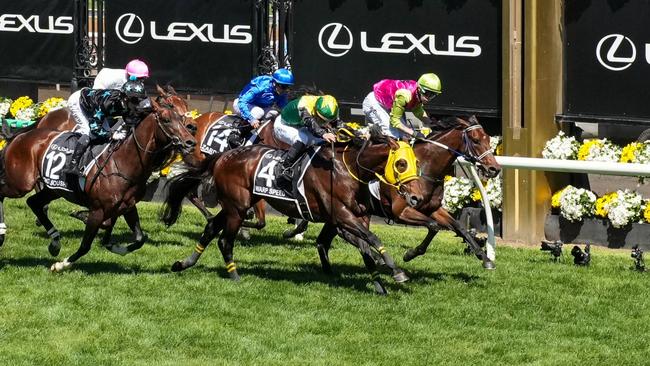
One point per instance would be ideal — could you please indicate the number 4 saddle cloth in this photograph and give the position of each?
(266, 183)
(57, 156)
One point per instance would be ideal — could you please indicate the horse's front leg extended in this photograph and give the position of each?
(139, 237)
(95, 218)
(211, 230)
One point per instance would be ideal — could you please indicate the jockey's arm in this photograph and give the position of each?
(244, 101)
(311, 123)
(402, 97)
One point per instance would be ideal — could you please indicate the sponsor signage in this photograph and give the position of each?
(345, 47)
(607, 54)
(196, 45)
(36, 40)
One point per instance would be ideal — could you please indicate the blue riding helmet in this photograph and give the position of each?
(283, 76)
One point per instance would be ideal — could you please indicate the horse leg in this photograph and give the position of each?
(139, 237)
(226, 242)
(297, 231)
(95, 218)
(369, 262)
(323, 244)
(441, 215)
(3, 226)
(37, 202)
(106, 239)
(198, 203)
(411, 216)
(212, 228)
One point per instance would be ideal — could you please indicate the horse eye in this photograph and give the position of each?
(401, 165)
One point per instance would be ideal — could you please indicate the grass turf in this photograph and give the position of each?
(112, 310)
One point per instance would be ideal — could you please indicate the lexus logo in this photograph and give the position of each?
(616, 52)
(333, 33)
(129, 28)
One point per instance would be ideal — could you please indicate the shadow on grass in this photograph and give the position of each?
(90, 268)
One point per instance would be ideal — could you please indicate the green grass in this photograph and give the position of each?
(112, 310)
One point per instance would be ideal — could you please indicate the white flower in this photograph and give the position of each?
(561, 147)
(494, 190)
(26, 114)
(624, 208)
(4, 107)
(576, 203)
(599, 150)
(457, 193)
(494, 142)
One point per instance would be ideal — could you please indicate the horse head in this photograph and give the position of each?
(476, 144)
(173, 126)
(169, 96)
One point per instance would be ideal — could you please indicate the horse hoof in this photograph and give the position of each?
(409, 255)
(488, 264)
(400, 277)
(298, 237)
(177, 266)
(379, 289)
(2, 239)
(54, 248)
(287, 234)
(60, 266)
(234, 276)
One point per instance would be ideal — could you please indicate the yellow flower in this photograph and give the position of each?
(47, 106)
(228, 111)
(602, 203)
(555, 199)
(20, 103)
(628, 155)
(585, 149)
(193, 114)
(476, 195)
(499, 150)
(646, 212)
(448, 178)
(2, 144)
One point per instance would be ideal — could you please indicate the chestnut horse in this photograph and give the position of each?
(112, 191)
(332, 194)
(454, 137)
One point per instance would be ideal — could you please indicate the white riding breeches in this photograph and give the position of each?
(289, 134)
(83, 125)
(376, 114)
(258, 113)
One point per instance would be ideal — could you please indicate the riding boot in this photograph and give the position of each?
(289, 159)
(73, 166)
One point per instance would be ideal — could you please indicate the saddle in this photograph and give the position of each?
(57, 155)
(228, 132)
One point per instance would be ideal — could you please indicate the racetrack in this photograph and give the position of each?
(133, 310)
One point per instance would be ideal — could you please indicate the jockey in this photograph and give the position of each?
(303, 122)
(386, 104)
(259, 96)
(97, 106)
(115, 78)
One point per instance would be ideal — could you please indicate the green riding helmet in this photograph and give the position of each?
(327, 108)
(430, 83)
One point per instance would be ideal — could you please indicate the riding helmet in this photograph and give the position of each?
(283, 76)
(327, 108)
(137, 68)
(134, 89)
(429, 83)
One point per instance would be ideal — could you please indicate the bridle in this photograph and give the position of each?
(174, 141)
(470, 153)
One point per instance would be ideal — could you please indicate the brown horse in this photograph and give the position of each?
(62, 120)
(112, 191)
(454, 137)
(332, 194)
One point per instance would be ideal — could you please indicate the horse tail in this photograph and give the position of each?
(181, 185)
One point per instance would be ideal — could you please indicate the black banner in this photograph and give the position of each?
(347, 46)
(36, 40)
(196, 45)
(607, 59)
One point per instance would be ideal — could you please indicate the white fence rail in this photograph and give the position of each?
(551, 165)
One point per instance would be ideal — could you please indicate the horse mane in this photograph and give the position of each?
(450, 122)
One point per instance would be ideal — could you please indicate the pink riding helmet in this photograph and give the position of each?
(137, 68)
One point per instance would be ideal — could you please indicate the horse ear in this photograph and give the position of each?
(171, 90)
(154, 103)
(473, 119)
(161, 91)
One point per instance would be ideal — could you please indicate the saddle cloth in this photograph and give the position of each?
(266, 182)
(57, 155)
(215, 139)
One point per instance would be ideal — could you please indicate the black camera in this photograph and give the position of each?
(637, 254)
(554, 247)
(581, 258)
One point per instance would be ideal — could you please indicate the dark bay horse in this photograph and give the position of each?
(113, 191)
(332, 194)
(454, 136)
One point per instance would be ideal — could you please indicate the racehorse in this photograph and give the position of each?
(454, 136)
(62, 120)
(112, 191)
(332, 194)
